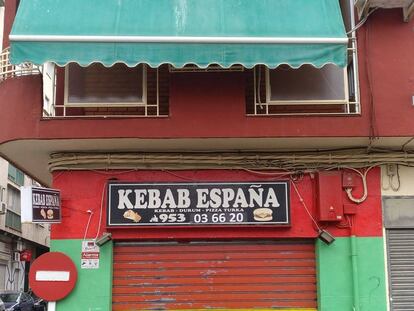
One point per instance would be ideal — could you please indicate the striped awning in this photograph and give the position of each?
(180, 32)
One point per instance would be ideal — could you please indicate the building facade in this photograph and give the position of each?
(17, 238)
(225, 163)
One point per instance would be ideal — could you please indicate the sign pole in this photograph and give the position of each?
(51, 306)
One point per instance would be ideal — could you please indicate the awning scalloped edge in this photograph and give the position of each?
(181, 65)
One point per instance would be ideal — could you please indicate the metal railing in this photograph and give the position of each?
(8, 70)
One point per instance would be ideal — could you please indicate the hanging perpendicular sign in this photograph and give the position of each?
(40, 205)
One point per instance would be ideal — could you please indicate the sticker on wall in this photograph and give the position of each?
(90, 255)
(192, 204)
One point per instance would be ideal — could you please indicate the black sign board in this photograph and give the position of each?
(45, 205)
(178, 204)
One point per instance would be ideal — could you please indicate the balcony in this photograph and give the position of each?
(96, 91)
(7, 70)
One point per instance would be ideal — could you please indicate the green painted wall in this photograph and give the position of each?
(335, 289)
(93, 290)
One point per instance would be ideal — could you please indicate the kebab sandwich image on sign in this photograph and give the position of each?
(177, 204)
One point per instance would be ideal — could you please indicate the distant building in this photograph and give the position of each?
(16, 237)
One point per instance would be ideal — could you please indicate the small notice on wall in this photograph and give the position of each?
(40, 205)
(90, 255)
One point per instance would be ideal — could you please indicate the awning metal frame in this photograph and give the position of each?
(176, 39)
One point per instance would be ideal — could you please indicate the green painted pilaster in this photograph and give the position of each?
(335, 275)
(93, 289)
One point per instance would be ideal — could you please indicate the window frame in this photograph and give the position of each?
(351, 105)
(14, 178)
(11, 186)
(85, 104)
(156, 103)
(261, 108)
(269, 101)
(11, 212)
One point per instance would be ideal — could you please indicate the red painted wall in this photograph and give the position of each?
(386, 49)
(82, 191)
(10, 11)
(19, 116)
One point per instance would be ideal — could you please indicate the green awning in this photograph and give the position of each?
(179, 32)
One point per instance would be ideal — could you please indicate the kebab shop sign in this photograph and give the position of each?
(40, 205)
(180, 204)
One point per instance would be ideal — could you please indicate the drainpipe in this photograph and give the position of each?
(355, 287)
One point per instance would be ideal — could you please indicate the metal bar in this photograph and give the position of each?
(51, 306)
(355, 59)
(158, 92)
(408, 12)
(102, 116)
(306, 102)
(304, 114)
(144, 89)
(106, 105)
(176, 39)
(54, 84)
(254, 89)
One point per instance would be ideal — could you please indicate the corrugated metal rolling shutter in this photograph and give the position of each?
(401, 268)
(207, 275)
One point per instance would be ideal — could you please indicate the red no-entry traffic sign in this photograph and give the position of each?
(52, 276)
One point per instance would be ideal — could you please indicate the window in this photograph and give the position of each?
(15, 175)
(2, 194)
(13, 209)
(307, 90)
(96, 84)
(307, 83)
(119, 90)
